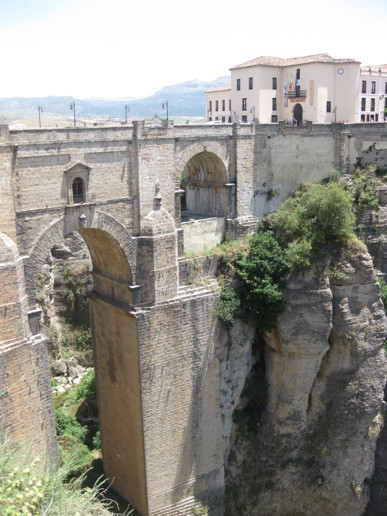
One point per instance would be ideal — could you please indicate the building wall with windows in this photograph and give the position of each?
(315, 88)
(219, 105)
(373, 93)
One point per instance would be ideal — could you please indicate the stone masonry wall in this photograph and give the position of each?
(181, 404)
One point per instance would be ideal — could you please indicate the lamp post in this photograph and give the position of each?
(72, 106)
(40, 110)
(165, 106)
(127, 108)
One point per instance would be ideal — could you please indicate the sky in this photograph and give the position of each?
(133, 48)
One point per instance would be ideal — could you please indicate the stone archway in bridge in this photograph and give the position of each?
(205, 183)
(116, 357)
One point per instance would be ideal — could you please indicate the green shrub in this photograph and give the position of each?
(66, 424)
(76, 288)
(27, 487)
(85, 388)
(263, 275)
(316, 218)
(228, 306)
(364, 191)
(77, 342)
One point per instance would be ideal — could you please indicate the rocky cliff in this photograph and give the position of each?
(312, 451)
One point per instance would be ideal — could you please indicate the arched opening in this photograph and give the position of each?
(114, 348)
(206, 202)
(297, 114)
(204, 181)
(78, 191)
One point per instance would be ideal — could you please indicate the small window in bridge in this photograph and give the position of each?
(78, 191)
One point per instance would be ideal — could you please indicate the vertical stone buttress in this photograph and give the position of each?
(26, 411)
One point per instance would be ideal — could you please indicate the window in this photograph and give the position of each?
(385, 102)
(274, 104)
(385, 88)
(298, 74)
(274, 83)
(329, 106)
(364, 86)
(372, 105)
(373, 87)
(244, 118)
(223, 105)
(274, 119)
(78, 191)
(244, 104)
(229, 104)
(363, 104)
(229, 119)
(210, 106)
(77, 180)
(223, 119)
(250, 83)
(238, 84)
(216, 105)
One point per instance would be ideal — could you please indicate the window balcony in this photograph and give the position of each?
(296, 94)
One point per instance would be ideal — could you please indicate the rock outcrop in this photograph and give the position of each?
(313, 450)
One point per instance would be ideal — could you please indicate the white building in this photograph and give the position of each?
(373, 94)
(318, 88)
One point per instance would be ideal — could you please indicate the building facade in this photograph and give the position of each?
(373, 94)
(316, 88)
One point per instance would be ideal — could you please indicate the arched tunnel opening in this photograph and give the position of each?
(204, 180)
(206, 202)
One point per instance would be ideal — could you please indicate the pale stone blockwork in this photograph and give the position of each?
(156, 345)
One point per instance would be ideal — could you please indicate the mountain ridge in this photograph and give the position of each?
(184, 99)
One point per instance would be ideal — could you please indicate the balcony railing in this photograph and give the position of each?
(296, 94)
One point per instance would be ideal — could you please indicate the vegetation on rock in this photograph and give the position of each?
(28, 487)
(307, 226)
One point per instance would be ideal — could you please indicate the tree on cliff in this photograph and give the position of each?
(316, 220)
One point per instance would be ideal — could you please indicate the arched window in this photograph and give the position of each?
(78, 191)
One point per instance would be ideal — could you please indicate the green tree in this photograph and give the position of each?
(263, 275)
(315, 218)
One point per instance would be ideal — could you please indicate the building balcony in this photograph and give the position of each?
(296, 94)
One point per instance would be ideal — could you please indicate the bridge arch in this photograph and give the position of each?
(114, 328)
(57, 230)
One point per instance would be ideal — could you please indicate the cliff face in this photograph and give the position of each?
(313, 450)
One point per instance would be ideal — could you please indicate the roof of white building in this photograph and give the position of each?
(293, 61)
(226, 87)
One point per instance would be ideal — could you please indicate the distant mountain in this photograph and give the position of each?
(184, 99)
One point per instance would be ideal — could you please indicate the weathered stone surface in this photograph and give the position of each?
(326, 369)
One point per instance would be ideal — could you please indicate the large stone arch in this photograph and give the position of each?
(114, 328)
(55, 233)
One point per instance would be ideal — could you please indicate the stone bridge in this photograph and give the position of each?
(142, 197)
